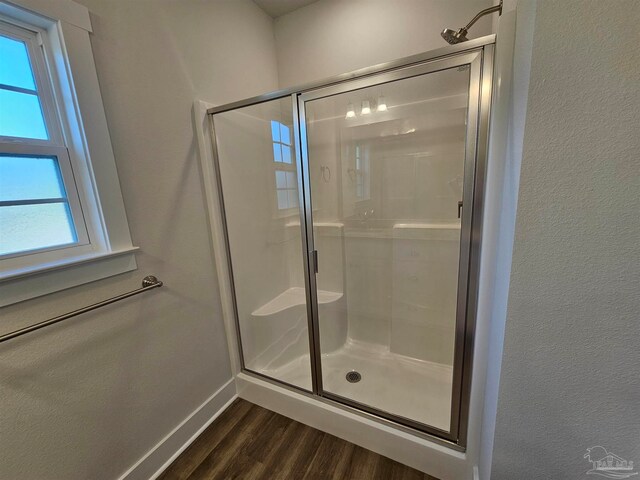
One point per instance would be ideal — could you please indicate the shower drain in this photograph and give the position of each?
(353, 376)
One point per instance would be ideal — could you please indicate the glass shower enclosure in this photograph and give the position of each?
(352, 214)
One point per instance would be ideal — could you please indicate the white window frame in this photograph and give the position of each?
(57, 36)
(54, 146)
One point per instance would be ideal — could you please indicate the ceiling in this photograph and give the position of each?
(277, 8)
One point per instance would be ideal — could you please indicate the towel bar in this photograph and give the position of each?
(148, 283)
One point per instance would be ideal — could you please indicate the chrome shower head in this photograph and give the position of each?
(453, 37)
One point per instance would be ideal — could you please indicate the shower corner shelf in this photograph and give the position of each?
(292, 297)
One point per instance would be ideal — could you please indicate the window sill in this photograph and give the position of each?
(23, 284)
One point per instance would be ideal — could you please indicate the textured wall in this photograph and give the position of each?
(570, 366)
(87, 398)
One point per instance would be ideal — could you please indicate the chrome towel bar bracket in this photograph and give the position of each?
(148, 283)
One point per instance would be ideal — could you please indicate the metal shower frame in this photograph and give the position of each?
(478, 54)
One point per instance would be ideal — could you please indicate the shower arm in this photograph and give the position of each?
(486, 11)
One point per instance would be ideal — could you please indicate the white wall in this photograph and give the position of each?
(330, 37)
(570, 366)
(89, 397)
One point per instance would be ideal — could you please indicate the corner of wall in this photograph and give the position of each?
(514, 43)
(276, 57)
(170, 447)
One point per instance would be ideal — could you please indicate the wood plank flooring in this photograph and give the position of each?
(248, 442)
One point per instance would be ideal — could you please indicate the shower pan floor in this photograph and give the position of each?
(404, 386)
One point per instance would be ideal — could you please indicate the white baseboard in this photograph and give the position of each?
(170, 447)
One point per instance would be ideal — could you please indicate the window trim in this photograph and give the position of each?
(62, 29)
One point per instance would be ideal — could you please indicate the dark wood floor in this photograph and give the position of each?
(249, 442)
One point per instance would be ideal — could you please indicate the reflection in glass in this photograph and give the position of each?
(260, 189)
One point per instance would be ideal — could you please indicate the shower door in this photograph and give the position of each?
(391, 174)
(258, 184)
(351, 216)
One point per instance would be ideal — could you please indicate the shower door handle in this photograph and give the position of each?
(314, 260)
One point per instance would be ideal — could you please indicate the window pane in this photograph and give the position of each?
(281, 179)
(15, 68)
(275, 131)
(26, 178)
(285, 135)
(282, 200)
(21, 115)
(291, 180)
(277, 153)
(30, 227)
(293, 198)
(286, 154)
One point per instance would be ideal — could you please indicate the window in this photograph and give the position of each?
(62, 218)
(285, 173)
(39, 204)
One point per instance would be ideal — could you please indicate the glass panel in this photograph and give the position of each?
(265, 245)
(27, 178)
(387, 233)
(30, 227)
(15, 68)
(21, 115)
